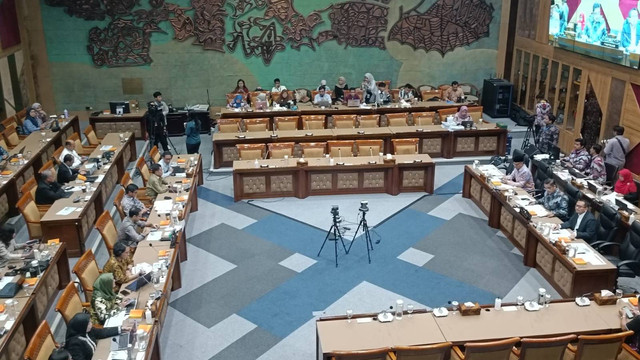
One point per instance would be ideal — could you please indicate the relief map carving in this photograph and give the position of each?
(263, 28)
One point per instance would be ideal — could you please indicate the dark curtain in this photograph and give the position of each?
(9, 31)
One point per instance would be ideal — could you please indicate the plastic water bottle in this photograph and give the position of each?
(147, 316)
(498, 304)
(541, 296)
(66, 113)
(399, 308)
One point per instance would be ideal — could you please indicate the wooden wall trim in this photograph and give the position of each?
(504, 52)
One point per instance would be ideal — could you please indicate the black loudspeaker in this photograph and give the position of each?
(496, 97)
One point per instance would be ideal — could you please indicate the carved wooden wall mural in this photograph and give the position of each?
(263, 28)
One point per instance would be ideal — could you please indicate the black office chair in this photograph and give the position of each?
(634, 197)
(612, 173)
(574, 195)
(539, 179)
(628, 260)
(607, 226)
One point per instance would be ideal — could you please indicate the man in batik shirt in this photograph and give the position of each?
(597, 170)
(554, 200)
(549, 135)
(521, 175)
(579, 158)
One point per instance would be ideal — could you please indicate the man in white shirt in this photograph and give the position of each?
(582, 223)
(277, 87)
(322, 96)
(165, 163)
(70, 149)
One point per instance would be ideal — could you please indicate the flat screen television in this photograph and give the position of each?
(124, 105)
(605, 29)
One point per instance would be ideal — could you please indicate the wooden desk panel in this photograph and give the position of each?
(104, 124)
(74, 228)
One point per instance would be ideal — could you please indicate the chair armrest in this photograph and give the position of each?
(631, 264)
(457, 352)
(572, 348)
(391, 355)
(515, 351)
(86, 305)
(601, 245)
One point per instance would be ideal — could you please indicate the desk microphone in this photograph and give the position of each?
(266, 153)
(154, 248)
(370, 151)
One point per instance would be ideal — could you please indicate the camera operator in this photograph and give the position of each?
(157, 122)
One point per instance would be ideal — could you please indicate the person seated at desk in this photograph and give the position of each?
(48, 190)
(554, 200)
(583, 223)
(631, 32)
(626, 187)
(130, 201)
(105, 303)
(521, 175)
(453, 93)
(120, 264)
(8, 245)
(40, 113)
(339, 89)
(579, 158)
(60, 354)
(237, 102)
(277, 87)
(286, 100)
(165, 163)
(549, 134)
(597, 170)
(407, 93)
(32, 122)
(595, 29)
(128, 230)
(241, 87)
(4, 154)
(82, 336)
(383, 95)
(322, 96)
(370, 89)
(156, 182)
(66, 172)
(352, 95)
(70, 149)
(462, 115)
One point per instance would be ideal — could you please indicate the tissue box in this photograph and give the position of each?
(604, 300)
(467, 311)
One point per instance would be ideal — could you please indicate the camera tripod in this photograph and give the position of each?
(334, 235)
(367, 236)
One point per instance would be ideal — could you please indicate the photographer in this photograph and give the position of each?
(156, 121)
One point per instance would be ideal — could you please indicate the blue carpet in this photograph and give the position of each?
(453, 186)
(214, 197)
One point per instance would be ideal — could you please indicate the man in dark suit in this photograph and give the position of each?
(583, 223)
(48, 190)
(65, 171)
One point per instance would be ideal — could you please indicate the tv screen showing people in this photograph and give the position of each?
(608, 30)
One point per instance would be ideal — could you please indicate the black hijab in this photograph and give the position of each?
(78, 325)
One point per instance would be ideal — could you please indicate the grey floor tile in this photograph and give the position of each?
(249, 347)
(429, 202)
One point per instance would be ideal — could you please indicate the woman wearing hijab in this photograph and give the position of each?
(626, 186)
(105, 303)
(322, 83)
(8, 245)
(286, 100)
(338, 90)
(240, 85)
(237, 102)
(462, 115)
(32, 123)
(41, 114)
(370, 89)
(82, 337)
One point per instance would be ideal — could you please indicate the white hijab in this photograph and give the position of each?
(372, 86)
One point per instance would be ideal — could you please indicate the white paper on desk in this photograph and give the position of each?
(66, 211)
(140, 355)
(184, 175)
(5, 280)
(4, 317)
(99, 178)
(587, 253)
(116, 320)
(9, 324)
(522, 202)
(364, 320)
(154, 236)
(509, 308)
(538, 209)
(163, 206)
(556, 234)
(75, 188)
(118, 355)
(105, 147)
(564, 175)
(144, 267)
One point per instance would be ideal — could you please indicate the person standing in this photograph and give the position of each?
(549, 135)
(617, 148)
(192, 131)
(370, 89)
(157, 121)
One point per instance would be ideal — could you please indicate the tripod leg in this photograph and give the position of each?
(354, 237)
(367, 240)
(341, 239)
(335, 246)
(325, 240)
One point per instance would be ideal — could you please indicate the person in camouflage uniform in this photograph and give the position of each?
(554, 200)
(549, 135)
(597, 170)
(579, 158)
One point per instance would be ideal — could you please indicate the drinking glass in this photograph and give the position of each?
(410, 309)
(44, 134)
(349, 315)
(454, 307)
(520, 301)
(547, 300)
(619, 293)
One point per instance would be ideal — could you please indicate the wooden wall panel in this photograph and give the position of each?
(630, 118)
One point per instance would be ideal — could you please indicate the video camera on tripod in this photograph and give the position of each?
(364, 206)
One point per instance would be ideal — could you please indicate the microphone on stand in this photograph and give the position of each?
(370, 151)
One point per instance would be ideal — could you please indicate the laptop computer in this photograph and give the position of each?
(622, 205)
(67, 194)
(261, 105)
(353, 103)
(555, 153)
(577, 174)
(467, 124)
(139, 282)
(592, 187)
(324, 103)
(179, 170)
(122, 341)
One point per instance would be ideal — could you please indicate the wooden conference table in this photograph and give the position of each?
(434, 140)
(33, 303)
(36, 150)
(74, 227)
(423, 328)
(148, 252)
(358, 175)
(567, 277)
